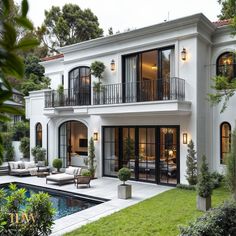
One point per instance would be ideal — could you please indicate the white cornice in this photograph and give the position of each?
(158, 28)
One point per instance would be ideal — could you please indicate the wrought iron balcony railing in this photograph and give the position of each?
(130, 92)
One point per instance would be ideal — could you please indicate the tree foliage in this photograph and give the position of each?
(11, 64)
(34, 76)
(69, 25)
(228, 9)
(231, 167)
(191, 164)
(224, 90)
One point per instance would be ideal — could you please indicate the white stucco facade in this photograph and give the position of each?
(203, 41)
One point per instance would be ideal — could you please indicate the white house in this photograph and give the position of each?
(153, 100)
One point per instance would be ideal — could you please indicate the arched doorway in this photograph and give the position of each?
(73, 143)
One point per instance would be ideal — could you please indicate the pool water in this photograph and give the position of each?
(64, 203)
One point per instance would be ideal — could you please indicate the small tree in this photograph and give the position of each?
(38, 153)
(97, 69)
(124, 174)
(25, 147)
(204, 186)
(91, 157)
(231, 167)
(191, 164)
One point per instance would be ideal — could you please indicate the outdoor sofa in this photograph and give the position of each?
(64, 178)
(24, 168)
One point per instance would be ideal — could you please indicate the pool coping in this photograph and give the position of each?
(103, 187)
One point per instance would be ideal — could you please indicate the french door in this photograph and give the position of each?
(151, 153)
(146, 75)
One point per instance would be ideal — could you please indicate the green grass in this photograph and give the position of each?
(160, 215)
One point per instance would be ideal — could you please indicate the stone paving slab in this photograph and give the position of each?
(101, 188)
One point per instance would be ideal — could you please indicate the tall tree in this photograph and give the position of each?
(69, 25)
(34, 78)
(228, 9)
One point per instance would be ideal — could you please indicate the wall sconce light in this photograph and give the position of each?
(185, 138)
(184, 54)
(95, 136)
(113, 65)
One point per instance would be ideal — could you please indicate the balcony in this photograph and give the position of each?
(132, 92)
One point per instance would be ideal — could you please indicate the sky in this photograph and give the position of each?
(124, 14)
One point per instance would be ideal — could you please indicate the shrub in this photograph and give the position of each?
(39, 205)
(191, 164)
(218, 221)
(231, 167)
(20, 130)
(1, 150)
(86, 173)
(216, 179)
(187, 187)
(124, 174)
(25, 147)
(57, 163)
(38, 153)
(9, 151)
(204, 186)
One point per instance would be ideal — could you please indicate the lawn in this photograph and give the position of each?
(160, 215)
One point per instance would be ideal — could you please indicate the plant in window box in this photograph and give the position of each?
(97, 70)
(124, 190)
(204, 187)
(60, 92)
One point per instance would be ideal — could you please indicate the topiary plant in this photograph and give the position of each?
(204, 186)
(57, 163)
(191, 164)
(124, 174)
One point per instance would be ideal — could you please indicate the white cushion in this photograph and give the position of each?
(70, 170)
(13, 165)
(60, 177)
(29, 165)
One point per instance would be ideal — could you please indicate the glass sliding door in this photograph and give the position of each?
(147, 154)
(111, 151)
(168, 155)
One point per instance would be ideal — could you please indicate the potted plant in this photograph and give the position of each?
(124, 190)
(90, 162)
(204, 187)
(60, 92)
(97, 70)
(57, 164)
(38, 153)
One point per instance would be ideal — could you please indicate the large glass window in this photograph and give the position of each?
(38, 129)
(226, 65)
(80, 86)
(146, 75)
(225, 140)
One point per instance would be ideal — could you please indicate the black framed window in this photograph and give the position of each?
(38, 129)
(225, 141)
(80, 85)
(226, 65)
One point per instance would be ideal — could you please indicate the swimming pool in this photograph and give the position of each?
(65, 203)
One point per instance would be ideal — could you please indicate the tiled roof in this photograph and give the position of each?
(220, 23)
(52, 57)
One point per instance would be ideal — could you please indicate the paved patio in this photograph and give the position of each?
(102, 188)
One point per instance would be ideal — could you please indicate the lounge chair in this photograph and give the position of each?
(82, 180)
(64, 178)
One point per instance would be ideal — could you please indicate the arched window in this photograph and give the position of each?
(226, 65)
(38, 140)
(80, 85)
(225, 140)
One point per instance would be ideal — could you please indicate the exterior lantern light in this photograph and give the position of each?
(185, 138)
(95, 136)
(184, 54)
(113, 65)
